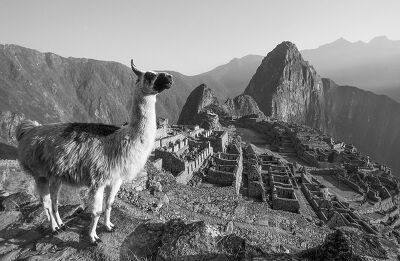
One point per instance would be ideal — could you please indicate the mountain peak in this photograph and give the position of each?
(341, 40)
(286, 45)
(282, 54)
(379, 39)
(284, 76)
(201, 98)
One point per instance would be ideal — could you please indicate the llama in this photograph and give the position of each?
(97, 156)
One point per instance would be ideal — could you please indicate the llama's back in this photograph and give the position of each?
(23, 128)
(73, 152)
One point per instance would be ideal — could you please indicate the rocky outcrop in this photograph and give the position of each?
(177, 240)
(347, 244)
(16, 201)
(287, 88)
(202, 107)
(243, 105)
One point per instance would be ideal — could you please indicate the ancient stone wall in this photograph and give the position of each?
(373, 196)
(256, 189)
(219, 141)
(165, 141)
(221, 158)
(170, 161)
(161, 132)
(291, 205)
(352, 185)
(180, 167)
(309, 157)
(239, 172)
(194, 165)
(220, 177)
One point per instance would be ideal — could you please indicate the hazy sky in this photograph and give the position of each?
(189, 36)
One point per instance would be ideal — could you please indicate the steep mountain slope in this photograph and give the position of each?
(49, 88)
(371, 66)
(288, 88)
(369, 121)
(243, 105)
(229, 80)
(200, 101)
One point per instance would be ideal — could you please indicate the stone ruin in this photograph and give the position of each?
(266, 174)
(186, 149)
(331, 211)
(226, 167)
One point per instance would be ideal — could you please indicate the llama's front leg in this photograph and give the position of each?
(43, 188)
(47, 204)
(55, 186)
(110, 196)
(96, 209)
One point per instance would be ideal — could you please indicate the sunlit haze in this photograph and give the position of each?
(189, 36)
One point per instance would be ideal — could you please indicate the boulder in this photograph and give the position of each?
(16, 201)
(347, 243)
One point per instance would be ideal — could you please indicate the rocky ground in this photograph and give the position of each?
(164, 220)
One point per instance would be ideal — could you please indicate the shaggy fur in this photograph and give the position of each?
(98, 156)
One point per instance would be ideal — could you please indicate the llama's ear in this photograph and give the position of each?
(135, 69)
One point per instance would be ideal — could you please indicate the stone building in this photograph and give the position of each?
(331, 211)
(226, 168)
(281, 185)
(181, 152)
(219, 140)
(270, 179)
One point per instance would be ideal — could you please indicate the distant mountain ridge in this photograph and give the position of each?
(373, 66)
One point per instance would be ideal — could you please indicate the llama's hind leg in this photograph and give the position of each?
(110, 197)
(42, 185)
(55, 186)
(96, 209)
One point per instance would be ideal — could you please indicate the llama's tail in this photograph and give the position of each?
(24, 127)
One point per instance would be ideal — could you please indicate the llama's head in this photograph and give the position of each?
(152, 83)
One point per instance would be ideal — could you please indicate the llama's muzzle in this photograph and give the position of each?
(163, 81)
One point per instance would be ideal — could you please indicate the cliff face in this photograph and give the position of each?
(369, 121)
(243, 105)
(287, 88)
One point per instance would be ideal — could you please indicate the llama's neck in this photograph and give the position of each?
(143, 114)
(137, 139)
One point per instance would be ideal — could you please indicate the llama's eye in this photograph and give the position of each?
(148, 76)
